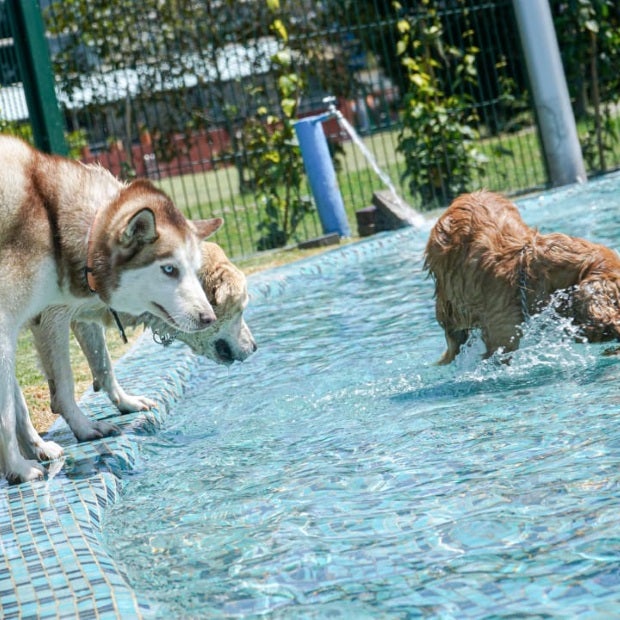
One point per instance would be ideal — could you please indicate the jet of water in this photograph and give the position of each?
(415, 219)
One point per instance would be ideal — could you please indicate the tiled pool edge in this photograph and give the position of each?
(52, 561)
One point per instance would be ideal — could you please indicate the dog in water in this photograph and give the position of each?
(227, 340)
(74, 236)
(492, 272)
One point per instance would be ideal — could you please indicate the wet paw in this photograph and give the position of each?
(128, 403)
(47, 451)
(97, 430)
(25, 471)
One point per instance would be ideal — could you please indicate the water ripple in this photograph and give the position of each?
(338, 472)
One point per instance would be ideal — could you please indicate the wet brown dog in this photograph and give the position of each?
(492, 271)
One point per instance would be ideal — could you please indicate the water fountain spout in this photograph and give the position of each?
(391, 199)
(332, 109)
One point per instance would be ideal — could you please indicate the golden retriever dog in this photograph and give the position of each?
(492, 271)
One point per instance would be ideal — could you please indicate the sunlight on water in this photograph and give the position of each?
(339, 472)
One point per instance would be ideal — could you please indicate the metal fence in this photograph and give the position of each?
(166, 90)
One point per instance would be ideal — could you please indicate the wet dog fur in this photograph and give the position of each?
(491, 271)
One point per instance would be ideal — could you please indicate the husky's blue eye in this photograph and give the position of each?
(170, 270)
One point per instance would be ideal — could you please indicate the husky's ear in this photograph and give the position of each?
(205, 228)
(140, 229)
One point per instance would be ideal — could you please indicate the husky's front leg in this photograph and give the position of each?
(91, 337)
(13, 465)
(30, 442)
(51, 338)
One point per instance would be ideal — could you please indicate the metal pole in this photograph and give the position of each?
(37, 77)
(555, 114)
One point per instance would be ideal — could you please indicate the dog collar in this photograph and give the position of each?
(91, 282)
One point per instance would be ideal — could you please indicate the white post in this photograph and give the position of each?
(555, 114)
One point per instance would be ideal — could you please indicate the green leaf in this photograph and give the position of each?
(591, 25)
(403, 26)
(401, 47)
(280, 29)
(288, 84)
(282, 58)
(288, 107)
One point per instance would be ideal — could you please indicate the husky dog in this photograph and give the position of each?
(74, 236)
(225, 341)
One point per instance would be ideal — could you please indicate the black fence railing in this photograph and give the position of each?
(167, 90)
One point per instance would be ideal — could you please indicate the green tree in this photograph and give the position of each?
(156, 66)
(176, 67)
(274, 157)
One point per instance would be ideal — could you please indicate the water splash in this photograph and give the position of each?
(549, 341)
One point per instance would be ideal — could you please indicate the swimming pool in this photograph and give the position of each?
(338, 472)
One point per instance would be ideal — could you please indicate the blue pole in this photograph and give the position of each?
(322, 176)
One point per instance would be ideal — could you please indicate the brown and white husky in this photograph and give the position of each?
(73, 235)
(227, 340)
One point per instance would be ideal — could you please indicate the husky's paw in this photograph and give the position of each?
(96, 430)
(24, 471)
(47, 451)
(127, 403)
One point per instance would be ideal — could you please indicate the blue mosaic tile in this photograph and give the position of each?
(52, 563)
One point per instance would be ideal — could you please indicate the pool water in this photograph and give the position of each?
(339, 473)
